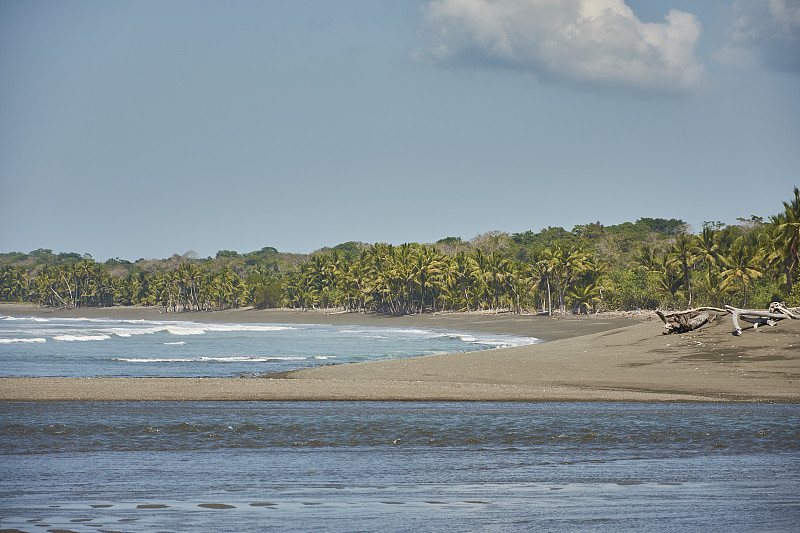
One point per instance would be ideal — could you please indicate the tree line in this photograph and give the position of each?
(652, 263)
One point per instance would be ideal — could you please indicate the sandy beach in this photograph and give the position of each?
(597, 358)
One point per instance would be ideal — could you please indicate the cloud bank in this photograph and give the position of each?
(599, 42)
(764, 33)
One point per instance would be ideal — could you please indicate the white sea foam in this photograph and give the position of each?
(364, 333)
(459, 336)
(15, 341)
(123, 332)
(508, 342)
(264, 359)
(390, 331)
(152, 360)
(81, 338)
(408, 331)
(244, 327)
(25, 319)
(211, 343)
(198, 328)
(175, 330)
(491, 341)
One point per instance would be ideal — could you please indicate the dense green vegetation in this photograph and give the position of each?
(652, 263)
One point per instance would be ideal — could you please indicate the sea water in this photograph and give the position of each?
(364, 466)
(90, 347)
(395, 466)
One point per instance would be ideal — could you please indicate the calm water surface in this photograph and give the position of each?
(181, 466)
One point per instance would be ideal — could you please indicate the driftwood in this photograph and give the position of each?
(691, 319)
(780, 307)
(777, 311)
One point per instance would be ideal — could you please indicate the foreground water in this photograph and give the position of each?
(84, 347)
(181, 466)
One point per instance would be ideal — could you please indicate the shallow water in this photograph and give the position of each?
(83, 347)
(398, 466)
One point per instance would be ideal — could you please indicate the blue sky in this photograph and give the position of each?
(142, 129)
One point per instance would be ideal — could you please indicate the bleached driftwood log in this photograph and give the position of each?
(777, 311)
(691, 319)
(780, 307)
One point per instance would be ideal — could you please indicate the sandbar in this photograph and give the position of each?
(604, 357)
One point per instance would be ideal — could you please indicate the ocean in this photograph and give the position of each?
(90, 347)
(365, 466)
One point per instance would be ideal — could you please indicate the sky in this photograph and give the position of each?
(140, 129)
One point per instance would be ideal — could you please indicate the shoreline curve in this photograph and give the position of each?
(598, 358)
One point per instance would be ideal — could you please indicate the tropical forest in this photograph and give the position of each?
(652, 263)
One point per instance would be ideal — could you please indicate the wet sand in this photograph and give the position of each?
(598, 358)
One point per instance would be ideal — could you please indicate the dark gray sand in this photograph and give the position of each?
(598, 358)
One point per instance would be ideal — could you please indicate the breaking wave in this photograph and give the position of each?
(81, 338)
(86, 347)
(15, 341)
(258, 359)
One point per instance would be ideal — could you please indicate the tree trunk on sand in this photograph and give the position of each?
(689, 320)
(777, 311)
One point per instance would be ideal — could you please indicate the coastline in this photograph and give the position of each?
(597, 358)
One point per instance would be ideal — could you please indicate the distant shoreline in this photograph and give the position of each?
(599, 358)
(547, 328)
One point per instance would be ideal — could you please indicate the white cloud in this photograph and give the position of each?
(580, 41)
(764, 32)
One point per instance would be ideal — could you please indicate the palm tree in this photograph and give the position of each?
(496, 273)
(223, 285)
(196, 277)
(462, 275)
(67, 276)
(670, 281)
(648, 258)
(483, 275)
(174, 288)
(360, 272)
(716, 287)
(299, 291)
(349, 284)
(84, 277)
(48, 287)
(742, 263)
(570, 263)
(543, 268)
(788, 234)
(402, 272)
(105, 284)
(684, 255)
(585, 295)
(777, 257)
(15, 284)
(428, 268)
(518, 281)
(708, 248)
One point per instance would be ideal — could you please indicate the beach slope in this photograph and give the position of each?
(584, 359)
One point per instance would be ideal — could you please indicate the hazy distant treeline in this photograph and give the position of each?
(652, 263)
